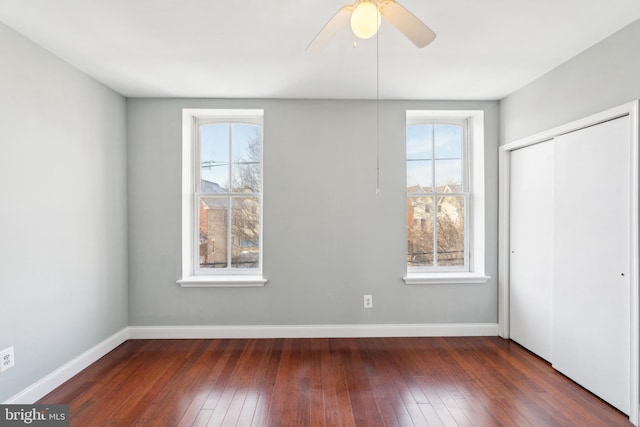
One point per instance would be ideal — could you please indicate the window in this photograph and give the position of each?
(222, 198)
(437, 196)
(445, 197)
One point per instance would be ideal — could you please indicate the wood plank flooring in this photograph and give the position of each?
(469, 381)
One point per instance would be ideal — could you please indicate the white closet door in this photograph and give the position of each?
(531, 245)
(591, 341)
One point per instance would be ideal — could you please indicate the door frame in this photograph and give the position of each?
(630, 109)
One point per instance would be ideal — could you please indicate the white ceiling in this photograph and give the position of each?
(485, 49)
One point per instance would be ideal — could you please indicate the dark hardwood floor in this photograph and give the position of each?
(471, 381)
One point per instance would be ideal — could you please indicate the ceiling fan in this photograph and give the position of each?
(365, 20)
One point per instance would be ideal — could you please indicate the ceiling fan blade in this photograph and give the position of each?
(407, 23)
(338, 21)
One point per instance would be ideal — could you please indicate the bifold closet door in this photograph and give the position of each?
(591, 291)
(531, 246)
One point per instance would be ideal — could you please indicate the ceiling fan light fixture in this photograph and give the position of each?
(365, 19)
(366, 15)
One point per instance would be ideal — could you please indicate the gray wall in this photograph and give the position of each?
(604, 76)
(63, 259)
(328, 239)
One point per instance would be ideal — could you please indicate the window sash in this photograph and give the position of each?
(197, 166)
(229, 269)
(437, 267)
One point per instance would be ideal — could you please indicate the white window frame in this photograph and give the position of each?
(473, 156)
(192, 274)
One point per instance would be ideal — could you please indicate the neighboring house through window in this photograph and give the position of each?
(445, 197)
(222, 198)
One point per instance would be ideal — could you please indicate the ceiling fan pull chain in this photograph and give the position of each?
(377, 114)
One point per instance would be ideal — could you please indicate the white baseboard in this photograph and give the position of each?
(47, 384)
(314, 331)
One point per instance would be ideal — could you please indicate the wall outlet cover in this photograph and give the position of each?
(7, 359)
(368, 301)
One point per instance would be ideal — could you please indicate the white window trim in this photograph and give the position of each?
(190, 278)
(476, 231)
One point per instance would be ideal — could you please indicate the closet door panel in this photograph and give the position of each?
(591, 341)
(531, 246)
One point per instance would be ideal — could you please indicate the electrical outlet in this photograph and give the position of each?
(368, 301)
(7, 359)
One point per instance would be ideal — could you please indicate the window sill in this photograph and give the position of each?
(444, 278)
(222, 281)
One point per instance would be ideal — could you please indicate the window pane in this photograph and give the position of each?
(245, 232)
(214, 157)
(420, 142)
(212, 217)
(246, 158)
(448, 155)
(448, 141)
(451, 223)
(420, 231)
(449, 176)
(419, 176)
